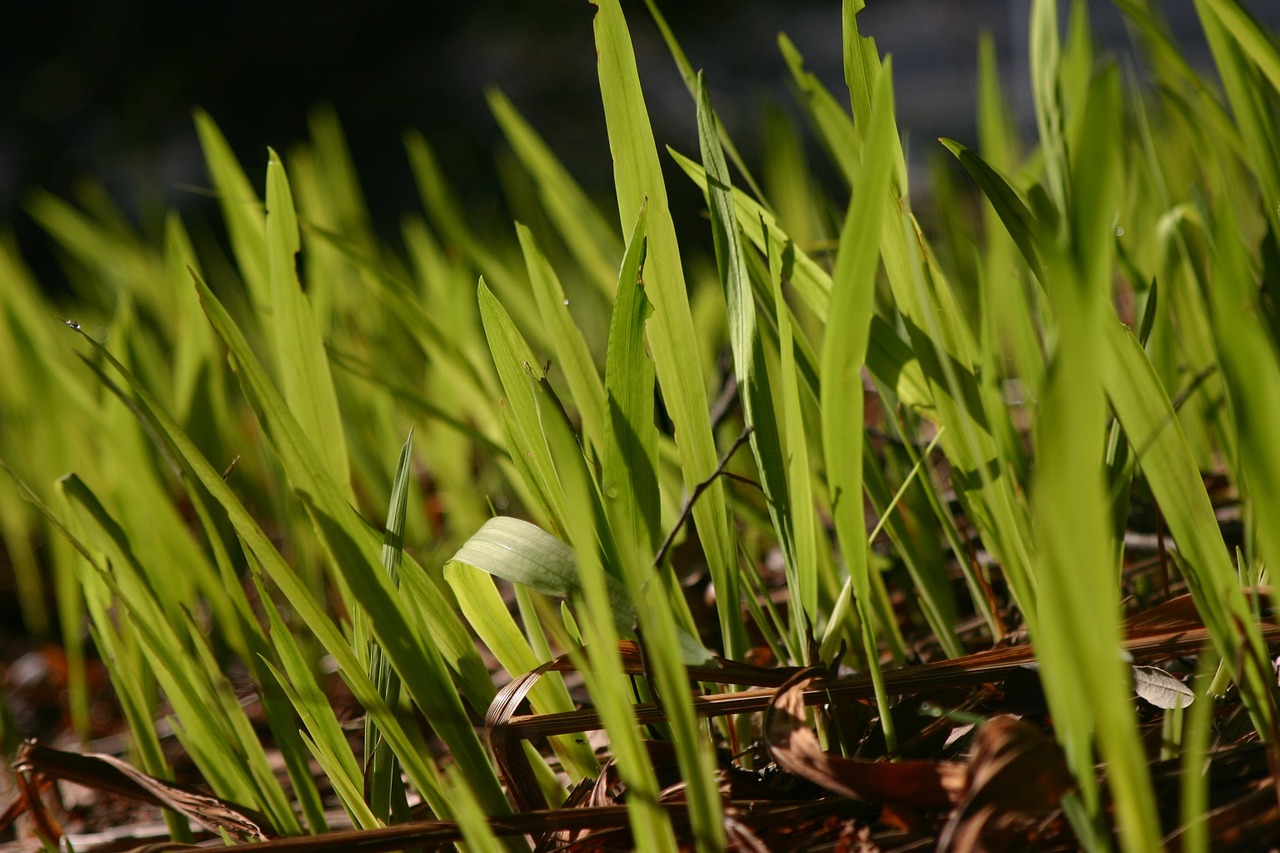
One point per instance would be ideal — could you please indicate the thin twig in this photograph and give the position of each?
(697, 491)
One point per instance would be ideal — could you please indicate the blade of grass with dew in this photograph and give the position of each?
(383, 789)
(593, 243)
(573, 356)
(257, 544)
(1079, 626)
(637, 176)
(843, 355)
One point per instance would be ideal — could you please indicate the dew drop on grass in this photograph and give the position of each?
(566, 302)
(1119, 230)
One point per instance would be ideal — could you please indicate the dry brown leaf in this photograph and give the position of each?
(794, 746)
(1015, 772)
(108, 773)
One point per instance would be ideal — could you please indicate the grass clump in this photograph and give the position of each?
(678, 553)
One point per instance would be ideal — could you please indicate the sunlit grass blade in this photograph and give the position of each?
(301, 361)
(242, 211)
(1046, 47)
(637, 176)
(803, 579)
(593, 242)
(629, 469)
(236, 767)
(843, 355)
(515, 362)
(602, 670)
(690, 78)
(573, 356)
(1079, 627)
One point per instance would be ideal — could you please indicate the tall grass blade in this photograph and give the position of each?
(843, 355)
(638, 176)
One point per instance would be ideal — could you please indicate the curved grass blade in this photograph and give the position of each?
(524, 553)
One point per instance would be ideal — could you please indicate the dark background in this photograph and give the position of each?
(105, 90)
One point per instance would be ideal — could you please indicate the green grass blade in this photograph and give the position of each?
(305, 377)
(242, 211)
(572, 355)
(385, 793)
(593, 242)
(638, 176)
(1046, 48)
(750, 368)
(1079, 626)
(515, 363)
(629, 470)
(803, 571)
(843, 356)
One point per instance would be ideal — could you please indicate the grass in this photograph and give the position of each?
(958, 407)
